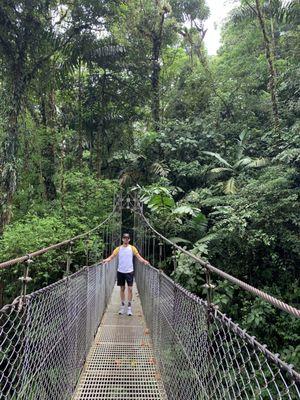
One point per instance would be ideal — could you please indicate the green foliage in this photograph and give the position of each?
(87, 201)
(76, 115)
(240, 163)
(158, 198)
(23, 237)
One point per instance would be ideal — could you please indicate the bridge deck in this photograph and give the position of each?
(121, 364)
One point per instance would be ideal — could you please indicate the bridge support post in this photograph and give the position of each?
(160, 253)
(209, 294)
(25, 279)
(174, 258)
(153, 250)
(69, 258)
(87, 241)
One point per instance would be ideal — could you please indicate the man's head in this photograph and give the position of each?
(125, 238)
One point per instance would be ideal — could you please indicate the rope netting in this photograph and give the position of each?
(201, 353)
(46, 335)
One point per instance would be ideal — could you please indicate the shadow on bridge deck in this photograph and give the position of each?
(121, 364)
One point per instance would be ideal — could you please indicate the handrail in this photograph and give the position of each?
(44, 250)
(251, 289)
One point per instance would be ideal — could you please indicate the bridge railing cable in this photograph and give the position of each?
(208, 267)
(45, 336)
(202, 354)
(79, 250)
(55, 246)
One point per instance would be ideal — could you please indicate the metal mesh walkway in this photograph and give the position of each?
(121, 364)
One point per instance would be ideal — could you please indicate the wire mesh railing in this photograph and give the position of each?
(201, 353)
(46, 335)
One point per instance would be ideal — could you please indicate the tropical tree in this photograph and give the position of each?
(269, 14)
(239, 165)
(55, 24)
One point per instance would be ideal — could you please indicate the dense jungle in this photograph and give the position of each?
(110, 95)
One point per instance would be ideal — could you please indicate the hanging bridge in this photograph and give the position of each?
(67, 341)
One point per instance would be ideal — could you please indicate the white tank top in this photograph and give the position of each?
(125, 258)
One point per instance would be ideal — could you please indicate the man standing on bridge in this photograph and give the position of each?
(125, 254)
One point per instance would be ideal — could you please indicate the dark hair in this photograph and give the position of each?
(126, 234)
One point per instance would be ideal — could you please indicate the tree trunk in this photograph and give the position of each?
(272, 70)
(157, 39)
(99, 144)
(197, 48)
(9, 150)
(48, 149)
(79, 125)
(91, 149)
(156, 46)
(62, 178)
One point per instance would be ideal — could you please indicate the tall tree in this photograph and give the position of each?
(21, 23)
(55, 24)
(268, 13)
(270, 59)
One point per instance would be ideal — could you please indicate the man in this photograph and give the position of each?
(125, 254)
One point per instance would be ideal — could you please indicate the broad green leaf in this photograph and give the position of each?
(243, 162)
(258, 163)
(179, 240)
(199, 218)
(161, 201)
(218, 157)
(220, 170)
(184, 210)
(207, 238)
(241, 144)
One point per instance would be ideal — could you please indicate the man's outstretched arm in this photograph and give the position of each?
(111, 257)
(140, 258)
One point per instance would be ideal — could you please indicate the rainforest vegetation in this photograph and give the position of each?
(99, 95)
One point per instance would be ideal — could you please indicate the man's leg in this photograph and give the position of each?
(122, 295)
(129, 279)
(129, 295)
(121, 283)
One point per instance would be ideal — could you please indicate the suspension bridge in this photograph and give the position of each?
(67, 341)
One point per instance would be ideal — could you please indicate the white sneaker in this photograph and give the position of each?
(129, 311)
(122, 310)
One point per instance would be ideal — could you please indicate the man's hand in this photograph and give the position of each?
(141, 259)
(106, 260)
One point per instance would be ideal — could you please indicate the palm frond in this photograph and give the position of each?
(208, 238)
(179, 240)
(230, 186)
(283, 12)
(243, 137)
(243, 13)
(160, 169)
(257, 163)
(243, 162)
(220, 170)
(289, 156)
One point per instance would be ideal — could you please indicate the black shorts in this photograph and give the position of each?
(122, 277)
